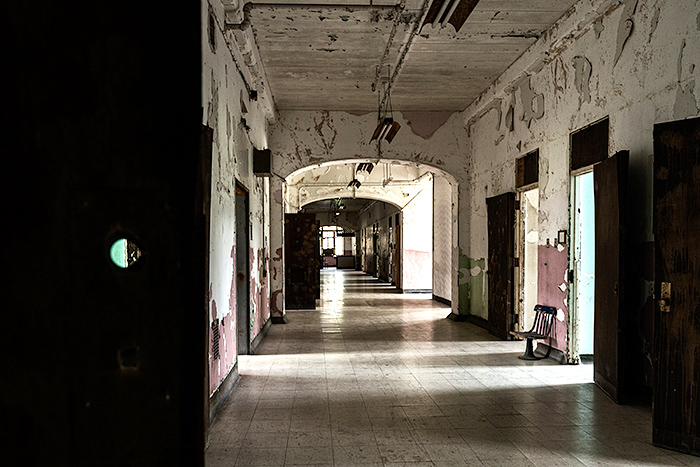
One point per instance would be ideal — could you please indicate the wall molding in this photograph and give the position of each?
(261, 336)
(221, 394)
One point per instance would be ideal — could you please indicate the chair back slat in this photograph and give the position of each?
(544, 318)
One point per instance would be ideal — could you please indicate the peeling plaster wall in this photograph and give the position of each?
(303, 138)
(231, 161)
(416, 242)
(593, 63)
(259, 253)
(442, 238)
(473, 286)
(300, 139)
(330, 181)
(277, 210)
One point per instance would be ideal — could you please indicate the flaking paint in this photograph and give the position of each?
(473, 286)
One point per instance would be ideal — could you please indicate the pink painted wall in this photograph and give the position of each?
(277, 279)
(551, 279)
(219, 368)
(417, 270)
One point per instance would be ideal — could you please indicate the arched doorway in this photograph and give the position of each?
(422, 226)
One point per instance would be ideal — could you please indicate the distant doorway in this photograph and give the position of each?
(526, 250)
(583, 263)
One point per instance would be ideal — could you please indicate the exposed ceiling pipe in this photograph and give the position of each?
(436, 21)
(397, 19)
(399, 63)
(277, 4)
(245, 22)
(449, 14)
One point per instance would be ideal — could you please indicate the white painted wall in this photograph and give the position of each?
(442, 238)
(416, 241)
(653, 81)
(648, 78)
(231, 161)
(331, 181)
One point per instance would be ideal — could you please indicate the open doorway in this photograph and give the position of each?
(583, 263)
(526, 250)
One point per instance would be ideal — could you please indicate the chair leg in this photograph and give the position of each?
(529, 353)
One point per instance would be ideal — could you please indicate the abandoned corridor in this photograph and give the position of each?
(375, 377)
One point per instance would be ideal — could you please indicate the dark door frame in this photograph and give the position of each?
(242, 269)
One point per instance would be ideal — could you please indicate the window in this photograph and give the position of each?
(332, 240)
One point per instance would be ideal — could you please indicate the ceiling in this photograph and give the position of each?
(328, 205)
(324, 56)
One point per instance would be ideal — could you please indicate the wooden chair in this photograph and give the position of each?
(541, 329)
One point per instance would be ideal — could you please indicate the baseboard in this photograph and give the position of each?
(475, 320)
(279, 319)
(442, 300)
(682, 442)
(554, 354)
(261, 335)
(458, 318)
(417, 290)
(217, 400)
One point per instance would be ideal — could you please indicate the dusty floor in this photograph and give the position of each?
(373, 377)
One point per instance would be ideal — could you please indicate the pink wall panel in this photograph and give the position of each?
(417, 270)
(551, 274)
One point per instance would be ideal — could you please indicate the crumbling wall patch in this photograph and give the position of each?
(582, 78)
(624, 30)
(533, 103)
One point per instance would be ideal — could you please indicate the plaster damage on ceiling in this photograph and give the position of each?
(325, 55)
(394, 182)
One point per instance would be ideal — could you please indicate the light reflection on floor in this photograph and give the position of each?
(375, 377)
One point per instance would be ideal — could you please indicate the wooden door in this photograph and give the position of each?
(301, 253)
(319, 262)
(397, 254)
(610, 195)
(501, 231)
(676, 410)
(243, 307)
(202, 224)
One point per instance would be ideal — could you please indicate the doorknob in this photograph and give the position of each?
(665, 297)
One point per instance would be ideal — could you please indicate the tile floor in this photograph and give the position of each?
(373, 377)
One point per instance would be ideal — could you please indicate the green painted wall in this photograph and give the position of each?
(473, 286)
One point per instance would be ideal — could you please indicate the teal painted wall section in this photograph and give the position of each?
(473, 286)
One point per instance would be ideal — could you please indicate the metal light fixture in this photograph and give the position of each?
(386, 126)
(365, 167)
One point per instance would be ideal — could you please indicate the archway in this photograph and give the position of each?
(397, 183)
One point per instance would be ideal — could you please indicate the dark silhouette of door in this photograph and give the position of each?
(501, 230)
(301, 261)
(242, 271)
(610, 195)
(676, 408)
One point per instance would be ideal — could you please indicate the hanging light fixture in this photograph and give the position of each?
(386, 126)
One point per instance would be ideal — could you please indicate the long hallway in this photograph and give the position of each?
(374, 377)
